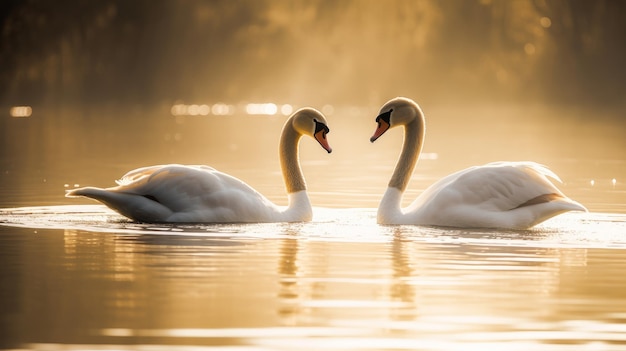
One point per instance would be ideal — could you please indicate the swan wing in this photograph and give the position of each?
(176, 193)
(200, 193)
(502, 194)
(135, 176)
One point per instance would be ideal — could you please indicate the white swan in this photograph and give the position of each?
(201, 194)
(515, 195)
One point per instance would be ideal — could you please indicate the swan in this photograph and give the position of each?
(515, 195)
(201, 194)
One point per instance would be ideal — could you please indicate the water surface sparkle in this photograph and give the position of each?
(340, 282)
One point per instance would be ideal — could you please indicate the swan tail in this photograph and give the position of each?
(543, 211)
(571, 205)
(78, 192)
(136, 207)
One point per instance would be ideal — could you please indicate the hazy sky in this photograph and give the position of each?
(313, 51)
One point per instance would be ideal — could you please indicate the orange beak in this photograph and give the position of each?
(382, 128)
(321, 138)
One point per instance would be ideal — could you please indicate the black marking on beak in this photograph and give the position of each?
(320, 135)
(385, 117)
(384, 123)
(319, 126)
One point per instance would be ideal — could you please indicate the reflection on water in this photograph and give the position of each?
(337, 283)
(77, 276)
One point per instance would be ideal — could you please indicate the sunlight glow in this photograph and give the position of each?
(429, 156)
(221, 109)
(21, 111)
(286, 109)
(270, 332)
(179, 110)
(545, 22)
(190, 110)
(197, 110)
(261, 109)
(614, 182)
(328, 110)
(592, 182)
(193, 110)
(204, 110)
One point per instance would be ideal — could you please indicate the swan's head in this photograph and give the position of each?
(396, 112)
(311, 122)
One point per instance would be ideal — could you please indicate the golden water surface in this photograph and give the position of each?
(77, 276)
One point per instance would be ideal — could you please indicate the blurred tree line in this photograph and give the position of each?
(311, 51)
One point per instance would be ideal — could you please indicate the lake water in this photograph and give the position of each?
(76, 276)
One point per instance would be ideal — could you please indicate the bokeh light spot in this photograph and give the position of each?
(261, 109)
(286, 109)
(328, 110)
(21, 111)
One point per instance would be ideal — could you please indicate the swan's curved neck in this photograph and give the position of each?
(389, 210)
(411, 148)
(289, 162)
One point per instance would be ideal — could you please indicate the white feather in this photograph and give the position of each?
(497, 195)
(177, 193)
(492, 195)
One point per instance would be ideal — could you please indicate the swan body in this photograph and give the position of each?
(516, 195)
(201, 194)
